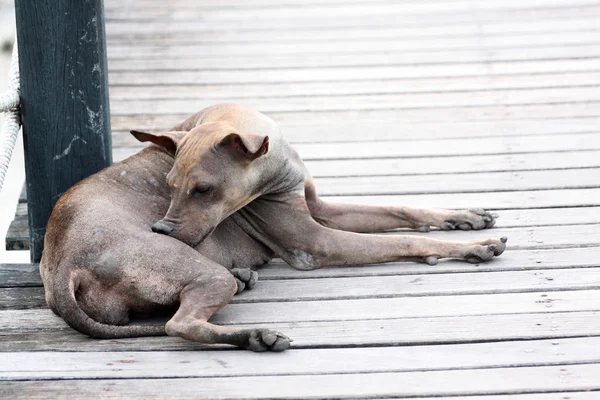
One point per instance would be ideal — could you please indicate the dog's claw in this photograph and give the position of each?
(449, 226)
(473, 259)
(240, 286)
(431, 260)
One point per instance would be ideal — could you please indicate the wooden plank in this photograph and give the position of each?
(258, 4)
(493, 201)
(426, 165)
(67, 137)
(453, 164)
(17, 236)
(459, 183)
(391, 286)
(366, 130)
(249, 91)
(356, 46)
(165, 25)
(439, 57)
(513, 260)
(22, 298)
(19, 275)
(529, 396)
(398, 384)
(462, 147)
(46, 365)
(422, 10)
(467, 113)
(385, 32)
(421, 307)
(376, 102)
(333, 74)
(423, 285)
(40, 330)
(509, 219)
(426, 114)
(27, 275)
(22, 309)
(436, 148)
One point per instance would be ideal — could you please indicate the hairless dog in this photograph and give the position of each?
(185, 222)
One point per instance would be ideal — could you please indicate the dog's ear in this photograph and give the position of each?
(247, 145)
(167, 140)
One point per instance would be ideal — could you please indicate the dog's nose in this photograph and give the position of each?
(162, 227)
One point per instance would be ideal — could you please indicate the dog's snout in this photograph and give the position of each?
(162, 227)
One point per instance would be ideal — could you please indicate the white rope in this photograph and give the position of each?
(9, 102)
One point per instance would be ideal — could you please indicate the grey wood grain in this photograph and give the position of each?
(450, 147)
(291, 290)
(185, 364)
(418, 285)
(407, 384)
(386, 32)
(18, 275)
(327, 11)
(410, 97)
(356, 46)
(40, 330)
(367, 129)
(533, 14)
(22, 298)
(490, 200)
(433, 113)
(27, 275)
(441, 56)
(337, 74)
(242, 312)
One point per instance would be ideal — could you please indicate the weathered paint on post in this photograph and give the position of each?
(65, 108)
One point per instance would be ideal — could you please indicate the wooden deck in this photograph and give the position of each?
(444, 103)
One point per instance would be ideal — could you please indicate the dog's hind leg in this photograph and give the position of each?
(367, 219)
(204, 296)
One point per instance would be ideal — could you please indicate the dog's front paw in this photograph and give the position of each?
(466, 220)
(485, 250)
(245, 278)
(268, 340)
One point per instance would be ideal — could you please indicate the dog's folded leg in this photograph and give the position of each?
(204, 296)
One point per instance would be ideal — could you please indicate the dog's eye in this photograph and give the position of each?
(201, 190)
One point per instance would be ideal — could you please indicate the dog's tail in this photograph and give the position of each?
(66, 305)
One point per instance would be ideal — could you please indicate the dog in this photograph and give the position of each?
(184, 223)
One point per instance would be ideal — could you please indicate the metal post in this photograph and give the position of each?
(64, 101)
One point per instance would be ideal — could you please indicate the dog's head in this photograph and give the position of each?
(214, 175)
